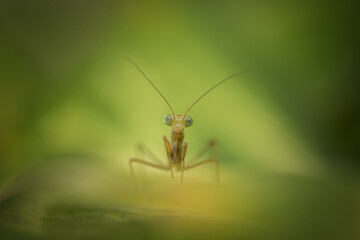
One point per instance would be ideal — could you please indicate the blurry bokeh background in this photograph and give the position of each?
(73, 111)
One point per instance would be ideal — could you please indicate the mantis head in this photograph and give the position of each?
(178, 123)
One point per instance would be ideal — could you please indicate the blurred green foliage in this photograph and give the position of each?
(68, 98)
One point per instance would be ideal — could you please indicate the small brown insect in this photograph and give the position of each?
(176, 151)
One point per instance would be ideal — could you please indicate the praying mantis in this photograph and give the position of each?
(176, 149)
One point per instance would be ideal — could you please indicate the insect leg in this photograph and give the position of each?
(183, 154)
(169, 154)
(148, 153)
(207, 161)
(210, 145)
(136, 160)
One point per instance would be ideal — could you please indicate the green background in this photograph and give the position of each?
(73, 111)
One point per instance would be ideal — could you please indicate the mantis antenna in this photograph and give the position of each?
(151, 84)
(222, 81)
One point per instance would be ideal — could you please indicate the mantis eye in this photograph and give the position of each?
(188, 121)
(167, 120)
